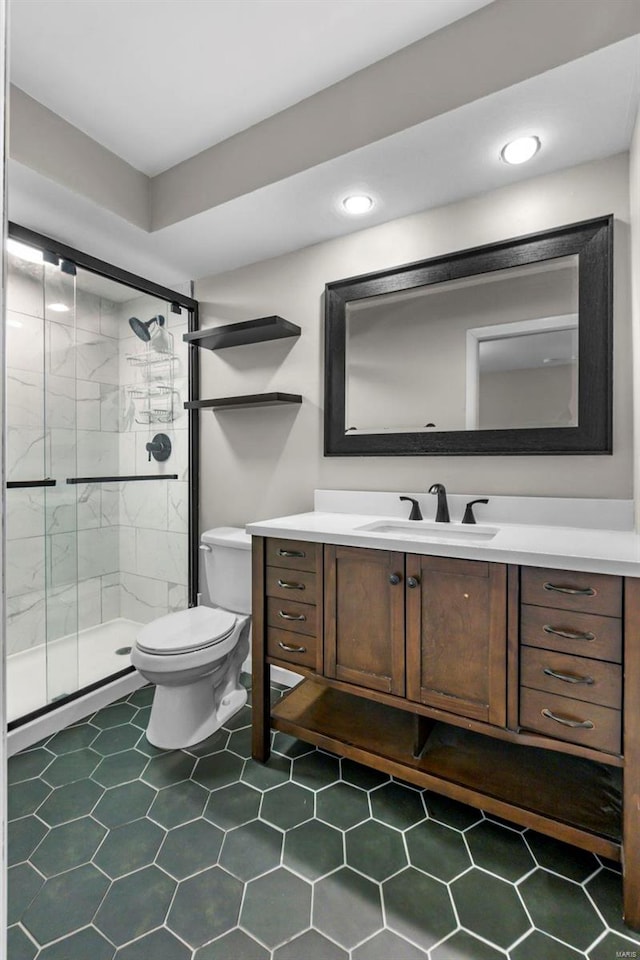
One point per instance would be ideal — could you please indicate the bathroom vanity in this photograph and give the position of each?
(510, 683)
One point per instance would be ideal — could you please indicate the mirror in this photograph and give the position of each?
(501, 349)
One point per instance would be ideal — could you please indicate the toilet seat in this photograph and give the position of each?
(186, 631)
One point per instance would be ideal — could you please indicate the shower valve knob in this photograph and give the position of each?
(159, 448)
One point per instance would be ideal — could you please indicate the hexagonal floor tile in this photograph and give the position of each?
(287, 805)
(25, 766)
(251, 850)
(263, 776)
(312, 946)
(316, 770)
(489, 907)
(236, 944)
(360, 776)
(437, 850)
(23, 883)
(346, 907)
(290, 746)
(125, 803)
(276, 907)
(129, 847)
(19, 945)
(120, 768)
(561, 908)
(538, 945)
(313, 849)
(68, 846)
(171, 768)
(613, 945)
(142, 697)
(233, 805)
(24, 835)
(213, 744)
(71, 767)
(159, 945)
(450, 812)
(217, 770)
(114, 715)
(190, 848)
(240, 742)
(205, 906)
(561, 857)
(80, 890)
(240, 719)
(386, 945)
(143, 746)
(25, 797)
(499, 850)
(135, 905)
(418, 907)
(116, 739)
(375, 850)
(178, 804)
(606, 890)
(142, 717)
(70, 802)
(342, 805)
(72, 738)
(396, 805)
(463, 944)
(86, 943)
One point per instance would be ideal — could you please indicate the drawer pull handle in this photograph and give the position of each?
(567, 677)
(299, 554)
(583, 724)
(285, 646)
(290, 586)
(571, 591)
(568, 634)
(291, 616)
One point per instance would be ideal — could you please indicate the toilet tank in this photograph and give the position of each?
(228, 567)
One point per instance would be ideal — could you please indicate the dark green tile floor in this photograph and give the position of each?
(120, 850)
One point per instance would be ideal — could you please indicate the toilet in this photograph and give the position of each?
(194, 657)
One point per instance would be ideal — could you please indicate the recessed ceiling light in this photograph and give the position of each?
(58, 307)
(24, 251)
(520, 150)
(358, 203)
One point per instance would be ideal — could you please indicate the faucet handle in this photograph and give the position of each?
(416, 513)
(468, 513)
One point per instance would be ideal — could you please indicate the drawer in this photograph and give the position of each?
(593, 681)
(603, 733)
(567, 590)
(282, 582)
(292, 647)
(293, 617)
(583, 634)
(293, 554)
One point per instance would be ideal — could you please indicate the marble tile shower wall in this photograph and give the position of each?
(153, 516)
(82, 555)
(62, 421)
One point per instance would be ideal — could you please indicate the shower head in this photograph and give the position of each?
(141, 327)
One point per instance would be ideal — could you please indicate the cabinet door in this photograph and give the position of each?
(456, 636)
(364, 617)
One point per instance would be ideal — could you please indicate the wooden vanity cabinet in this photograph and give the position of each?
(511, 689)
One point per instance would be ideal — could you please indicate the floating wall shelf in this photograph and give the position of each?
(251, 400)
(238, 334)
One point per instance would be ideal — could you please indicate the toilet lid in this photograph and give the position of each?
(186, 631)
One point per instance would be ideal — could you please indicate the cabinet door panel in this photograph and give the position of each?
(364, 618)
(456, 636)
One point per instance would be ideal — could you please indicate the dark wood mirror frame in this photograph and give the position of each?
(592, 242)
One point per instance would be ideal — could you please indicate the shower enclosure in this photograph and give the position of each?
(98, 529)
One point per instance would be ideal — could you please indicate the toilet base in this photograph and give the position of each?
(183, 716)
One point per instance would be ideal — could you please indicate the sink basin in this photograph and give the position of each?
(434, 532)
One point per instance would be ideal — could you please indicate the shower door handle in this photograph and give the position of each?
(22, 484)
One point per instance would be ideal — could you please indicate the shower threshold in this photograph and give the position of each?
(51, 671)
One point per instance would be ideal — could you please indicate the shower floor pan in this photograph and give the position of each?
(50, 671)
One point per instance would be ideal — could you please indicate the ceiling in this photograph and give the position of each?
(153, 88)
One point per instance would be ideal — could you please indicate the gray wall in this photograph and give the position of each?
(266, 462)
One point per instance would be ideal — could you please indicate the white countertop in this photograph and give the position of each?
(540, 545)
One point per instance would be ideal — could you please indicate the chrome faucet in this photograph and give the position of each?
(442, 513)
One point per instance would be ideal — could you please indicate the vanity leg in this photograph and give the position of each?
(261, 707)
(631, 777)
